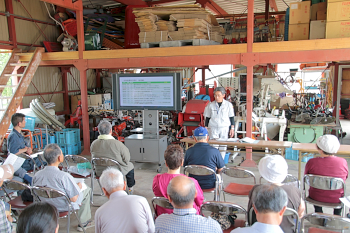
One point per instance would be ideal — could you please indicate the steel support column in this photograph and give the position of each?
(64, 71)
(250, 60)
(84, 103)
(98, 78)
(203, 76)
(11, 23)
(267, 9)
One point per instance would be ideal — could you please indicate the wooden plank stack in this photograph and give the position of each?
(180, 23)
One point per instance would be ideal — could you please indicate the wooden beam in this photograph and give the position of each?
(301, 45)
(179, 61)
(78, 5)
(166, 52)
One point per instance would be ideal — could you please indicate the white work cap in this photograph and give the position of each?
(273, 168)
(328, 143)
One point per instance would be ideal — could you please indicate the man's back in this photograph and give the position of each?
(259, 228)
(186, 220)
(206, 155)
(113, 149)
(124, 213)
(52, 177)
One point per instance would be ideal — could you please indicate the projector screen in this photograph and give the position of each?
(159, 91)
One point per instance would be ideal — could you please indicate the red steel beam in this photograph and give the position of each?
(132, 2)
(77, 5)
(273, 5)
(267, 9)
(80, 33)
(11, 23)
(210, 4)
(50, 93)
(64, 71)
(249, 59)
(162, 2)
(245, 15)
(27, 19)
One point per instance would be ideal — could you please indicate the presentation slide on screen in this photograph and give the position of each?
(146, 91)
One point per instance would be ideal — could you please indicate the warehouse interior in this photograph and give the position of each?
(284, 64)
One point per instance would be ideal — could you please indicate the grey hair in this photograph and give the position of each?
(269, 198)
(104, 127)
(111, 178)
(221, 89)
(182, 200)
(51, 153)
(200, 138)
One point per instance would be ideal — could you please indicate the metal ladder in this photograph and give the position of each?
(20, 88)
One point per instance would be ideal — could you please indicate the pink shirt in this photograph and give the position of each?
(327, 166)
(160, 185)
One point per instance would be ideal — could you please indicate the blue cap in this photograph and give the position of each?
(200, 131)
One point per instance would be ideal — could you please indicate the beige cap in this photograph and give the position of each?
(273, 168)
(328, 143)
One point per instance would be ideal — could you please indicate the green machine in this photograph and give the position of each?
(94, 39)
(303, 133)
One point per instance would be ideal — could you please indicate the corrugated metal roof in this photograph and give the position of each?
(100, 3)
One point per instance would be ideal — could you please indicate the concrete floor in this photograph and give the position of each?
(144, 173)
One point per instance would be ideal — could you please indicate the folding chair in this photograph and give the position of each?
(323, 183)
(329, 223)
(225, 208)
(44, 192)
(76, 159)
(16, 203)
(235, 188)
(199, 170)
(289, 180)
(162, 202)
(35, 168)
(100, 162)
(288, 212)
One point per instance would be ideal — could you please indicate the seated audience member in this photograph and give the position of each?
(52, 177)
(274, 169)
(122, 212)
(327, 165)
(106, 146)
(16, 145)
(174, 158)
(269, 202)
(204, 154)
(6, 172)
(39, 217)
(181, 193)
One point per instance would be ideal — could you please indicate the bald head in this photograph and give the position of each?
(181, 191)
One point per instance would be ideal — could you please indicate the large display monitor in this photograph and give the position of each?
(157, 91)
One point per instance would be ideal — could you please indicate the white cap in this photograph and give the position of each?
(273, 168)
(328, 143)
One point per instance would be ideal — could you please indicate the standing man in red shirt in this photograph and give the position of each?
(327, 165)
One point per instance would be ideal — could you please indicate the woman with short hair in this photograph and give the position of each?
(174, 158)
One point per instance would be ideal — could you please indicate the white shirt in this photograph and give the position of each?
(259, 227)
(124, 213)
(219, 116)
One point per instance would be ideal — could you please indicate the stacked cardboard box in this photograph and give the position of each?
(338, 19)
(299, 20)
(149, 37)
(178, 23)
(147, 22)
(164, 25)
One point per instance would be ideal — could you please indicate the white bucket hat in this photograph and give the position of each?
(328, 143)
(273, 168)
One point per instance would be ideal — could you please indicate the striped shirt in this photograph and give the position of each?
(186, 220)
